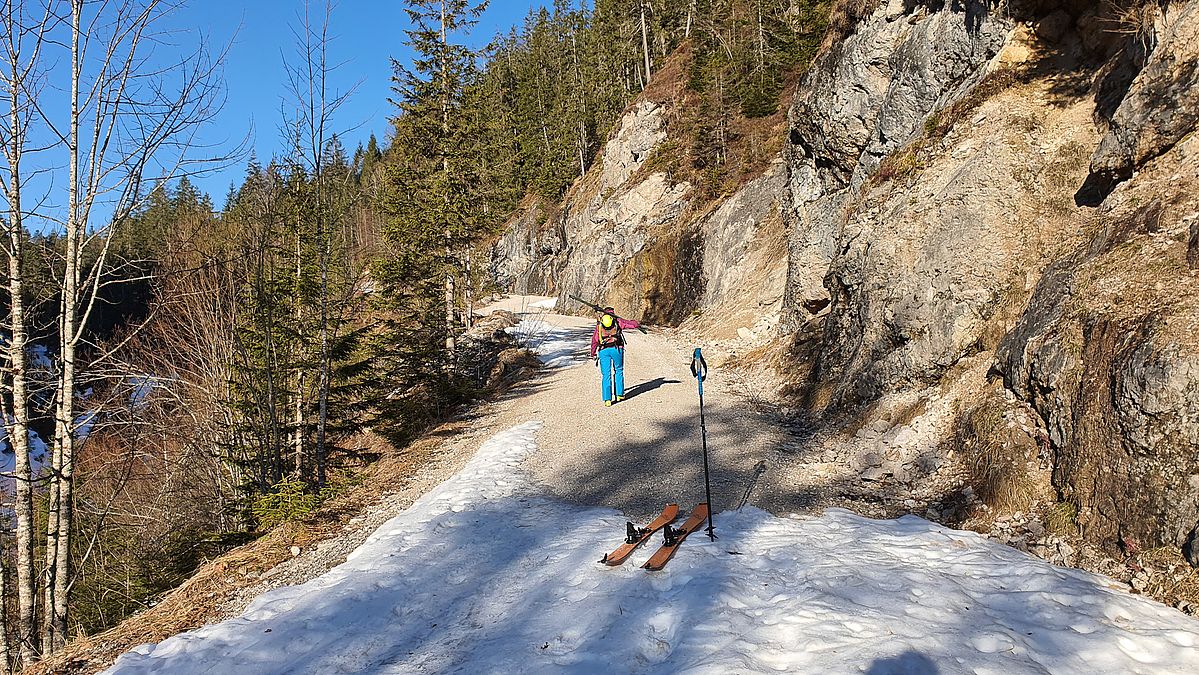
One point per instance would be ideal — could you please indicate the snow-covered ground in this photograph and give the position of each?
(487, 574)
(554, 345)
(520, 304)
(8, 462)
(557, 340)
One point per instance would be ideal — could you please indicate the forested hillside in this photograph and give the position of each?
(182, 375)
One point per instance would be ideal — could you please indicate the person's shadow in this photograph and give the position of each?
(643, 387)
(907, 663)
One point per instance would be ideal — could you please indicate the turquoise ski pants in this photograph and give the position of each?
(611, 365)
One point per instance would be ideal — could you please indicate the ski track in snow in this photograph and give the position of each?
(486, 574)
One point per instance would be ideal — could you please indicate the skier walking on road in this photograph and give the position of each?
(607, 350)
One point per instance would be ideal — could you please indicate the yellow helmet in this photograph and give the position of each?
(607, 320)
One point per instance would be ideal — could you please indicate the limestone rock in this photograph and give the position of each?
(1108, 357)
(619, 238)
(525, 258)
(739, 265)
(640, 132)
(860, 101)
(874, 474)
(897, 472)
(1162, 105)
(1193, 244)
(581, 247)
(1054, 26)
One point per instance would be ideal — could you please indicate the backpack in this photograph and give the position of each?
(610, 337)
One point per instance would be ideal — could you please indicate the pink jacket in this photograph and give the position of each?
(628, 324)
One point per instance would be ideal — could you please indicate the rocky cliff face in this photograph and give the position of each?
(909, 272)
(861, 100)
(628, 235)
(968, 218)
(523, 260)
(1159, 108)
(1107, 351)
(934, 258)
(603, 220)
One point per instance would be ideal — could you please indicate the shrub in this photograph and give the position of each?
(288, 500)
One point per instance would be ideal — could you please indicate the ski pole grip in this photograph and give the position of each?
(699, 367)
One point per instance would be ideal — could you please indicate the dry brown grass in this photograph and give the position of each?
(1002, 458)
(1173, 581)
(191, 605)
(844, 17)
(1136, 19)
(512, 366)
(752, 143)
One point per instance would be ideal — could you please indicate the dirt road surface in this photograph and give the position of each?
(646, 450)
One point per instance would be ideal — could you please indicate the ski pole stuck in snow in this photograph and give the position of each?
(699, 368)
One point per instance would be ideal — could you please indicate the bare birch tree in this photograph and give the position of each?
(24, 39)
(129, 114)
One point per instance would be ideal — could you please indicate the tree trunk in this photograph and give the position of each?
(58, 531)
(645, 43)
(5, 650)
(761, 38)
(297, 410)
(468, 291)
(450, 343)
(582, 100)
(17, 420)
(18, 437)
(272, 463)
(297, 433)
(325, 252)
(322, 413)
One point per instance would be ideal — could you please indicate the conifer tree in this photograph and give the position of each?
(434, 185)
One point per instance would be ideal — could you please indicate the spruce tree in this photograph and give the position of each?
(434, 185)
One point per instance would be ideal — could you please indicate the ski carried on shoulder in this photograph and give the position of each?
(673, 538)
(636, 536)
(597, 308)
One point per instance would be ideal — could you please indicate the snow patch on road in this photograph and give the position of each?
(556, 346)
(486, 574)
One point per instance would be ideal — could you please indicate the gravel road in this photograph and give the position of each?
(645, 451)
(635, 456)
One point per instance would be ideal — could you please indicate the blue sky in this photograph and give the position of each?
(366, 36)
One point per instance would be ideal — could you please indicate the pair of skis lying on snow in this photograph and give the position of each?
(672, 537)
